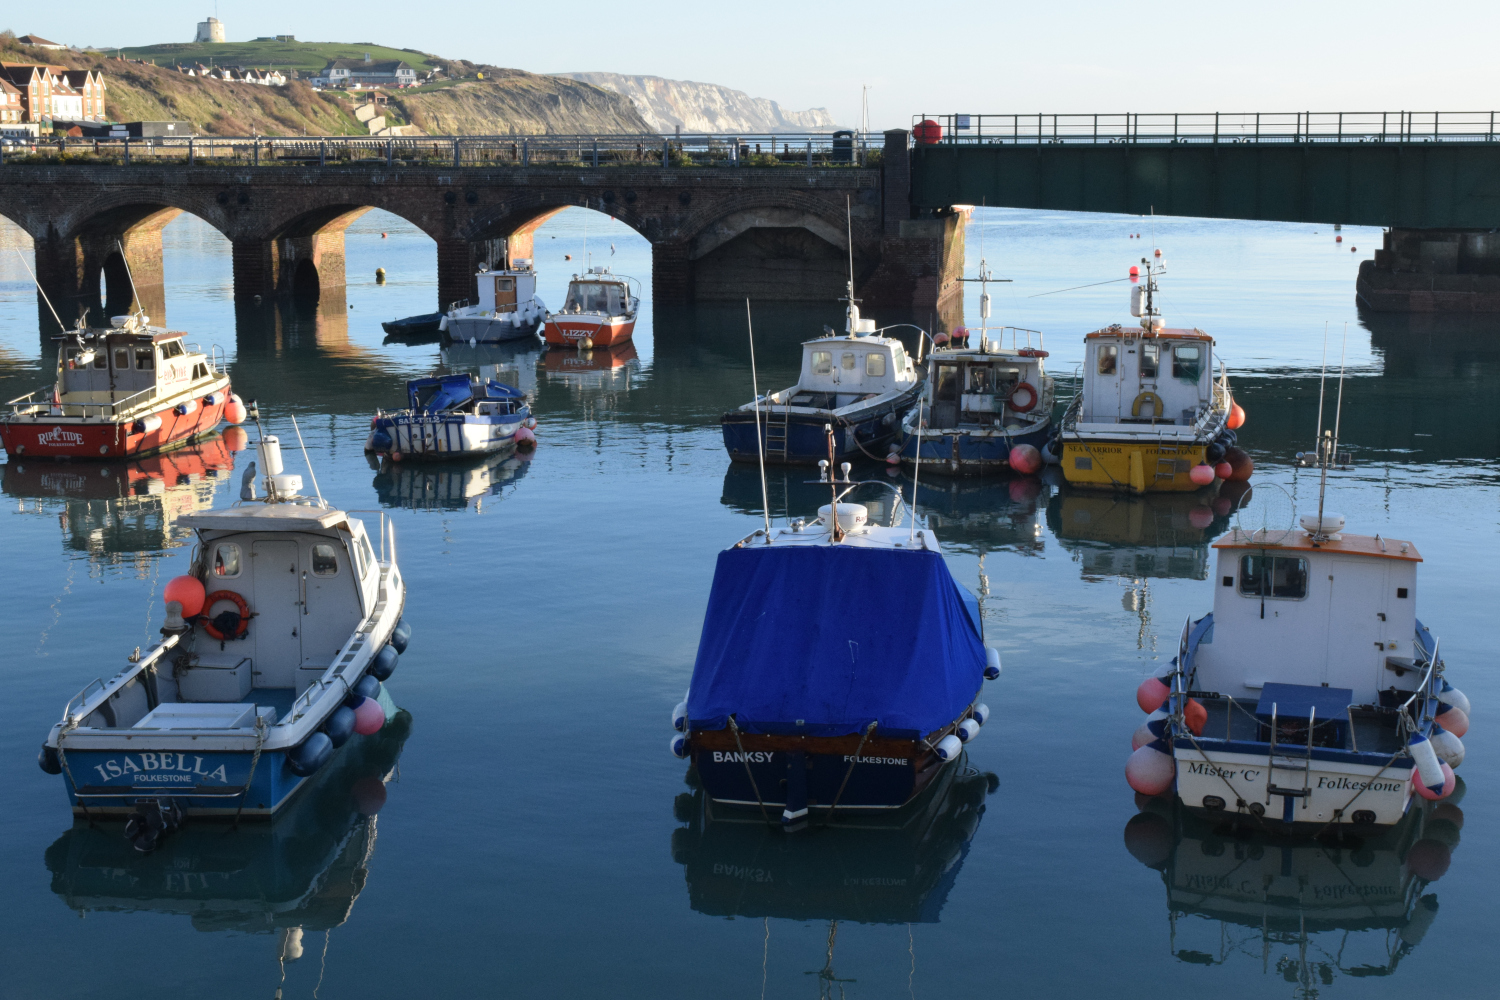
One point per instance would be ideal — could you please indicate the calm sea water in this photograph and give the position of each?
(537, 839)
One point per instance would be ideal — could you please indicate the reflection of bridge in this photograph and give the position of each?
(1434, 178)
(751, 224)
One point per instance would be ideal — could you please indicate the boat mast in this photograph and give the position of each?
(760, 443)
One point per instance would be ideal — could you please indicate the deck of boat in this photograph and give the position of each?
(1373, 731)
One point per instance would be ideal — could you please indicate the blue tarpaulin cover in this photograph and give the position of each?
(443, 392)
(836, 636)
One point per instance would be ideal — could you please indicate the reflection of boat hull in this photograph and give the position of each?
(568, 330)
(895, 868)
(800, 438)
(963, 452)
(83, 437)
(153, 474)
(1160, 535)
(303, 870)
(1131, 466)
(453, 486)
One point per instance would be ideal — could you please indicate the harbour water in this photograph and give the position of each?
(536, 837)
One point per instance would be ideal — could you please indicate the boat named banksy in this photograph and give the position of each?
(507, 309)
(132, 389)
(1311, 696)
(275, 647)
(452, 416)
(1150, 416)
(600, 311)
(806, 697)
(861, 384)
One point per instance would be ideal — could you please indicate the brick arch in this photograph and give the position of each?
(523, 212)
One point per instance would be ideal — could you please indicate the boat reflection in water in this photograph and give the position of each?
(514, 363)
(1305, 909)
(611, 369)
(889, 868)
(110, 509)
(1160, 535)
(793, 490)
(450, 485)
(970, 516)
(297, 874)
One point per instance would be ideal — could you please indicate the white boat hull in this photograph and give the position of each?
(1331, 786)
(488, 327)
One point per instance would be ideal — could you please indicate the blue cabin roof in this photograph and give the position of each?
(444, 392)
(823, 640)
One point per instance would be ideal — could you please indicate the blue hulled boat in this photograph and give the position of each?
(862, 384)
(452, 416)
(273, 655)
(805, 696)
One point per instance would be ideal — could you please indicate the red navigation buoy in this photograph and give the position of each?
(927, 132)
(186, 591)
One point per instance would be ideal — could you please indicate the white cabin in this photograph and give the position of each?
(840, 370)
(142, 367)
(504, 291)
(1338, 613)
(1134, 376)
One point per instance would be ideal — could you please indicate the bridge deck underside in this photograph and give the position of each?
(1418, 185)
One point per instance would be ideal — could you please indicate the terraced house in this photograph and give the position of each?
(47, 92)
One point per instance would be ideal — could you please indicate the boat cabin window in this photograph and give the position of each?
(1109, 355)
(979, 379)
(848, 362)
(947, 383)
(898, 355)
(1150, 359)
(1187, 362)
(122, 359)
(822, 362)
(101, 359)
(367, 552)
(171, 349)
(875, 364)
(226, 559)
(145, 359)
(505, 284)
(593, 296)
(325, 560)
(1282, 577)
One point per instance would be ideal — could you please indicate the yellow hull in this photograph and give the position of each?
(1131, 466)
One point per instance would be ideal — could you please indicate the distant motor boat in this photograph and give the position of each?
(600, 311)
(451, 416)
(807, 697)
(508, 307)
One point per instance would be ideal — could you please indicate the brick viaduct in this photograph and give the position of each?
(715, 233)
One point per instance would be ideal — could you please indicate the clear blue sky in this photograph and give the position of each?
(934, 56)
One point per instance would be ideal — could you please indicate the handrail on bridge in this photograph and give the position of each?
(1209, 127)
(845, 148)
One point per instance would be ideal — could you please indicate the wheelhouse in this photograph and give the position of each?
(1135, 376)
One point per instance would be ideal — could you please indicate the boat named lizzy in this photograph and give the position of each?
(600, 311)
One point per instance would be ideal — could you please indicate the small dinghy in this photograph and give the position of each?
(508, 308)
(1312, 696)
(808, 696)
(276, 643)
(452, 416)
(424, 325)
(861, 383)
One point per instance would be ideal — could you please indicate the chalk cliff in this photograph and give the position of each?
(667, 105)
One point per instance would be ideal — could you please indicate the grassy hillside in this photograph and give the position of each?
(511, 101)
(305, 57)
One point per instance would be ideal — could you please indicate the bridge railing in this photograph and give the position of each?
(767, 150)
(1210, 127)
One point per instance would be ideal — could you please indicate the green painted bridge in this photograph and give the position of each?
(1405, 170)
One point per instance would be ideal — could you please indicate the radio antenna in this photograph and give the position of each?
(135, 299)
(1329, 456)
(916, 468)
(308, 462)
(760, 442)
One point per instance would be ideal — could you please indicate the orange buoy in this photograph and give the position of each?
(1224, 470)
(187, 591)
(1157, 252)
(1338, 239)
(1135, 272)
(234, 410)
(1236, 416)
(382, 235)
(1152, 694)
(1196, 716)
(1025, 458)
(1241, 465)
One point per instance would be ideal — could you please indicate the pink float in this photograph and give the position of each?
(1449, 783)
(1451, 718)
(1201, 475)
(369, 717)
(1151, 769)
(1152, 694)
(1025, 458)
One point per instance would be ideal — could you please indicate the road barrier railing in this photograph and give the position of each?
(1209, 127)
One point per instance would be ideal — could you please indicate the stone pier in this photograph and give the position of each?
(1433, 270)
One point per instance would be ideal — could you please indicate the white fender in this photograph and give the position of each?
(679, 745)
(982, 713)
(968, 729)
(680, 717)
(1451, 695)
(949, 747)
(991, 663)
(1429, 770)
(1448, 747)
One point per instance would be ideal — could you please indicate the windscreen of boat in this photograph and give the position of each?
(606, 297)
(787, 649)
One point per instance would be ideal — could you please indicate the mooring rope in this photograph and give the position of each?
(850, 771)
(749, 773)
(260, 739)
(62, 757)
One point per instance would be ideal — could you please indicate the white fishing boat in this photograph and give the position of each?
(508, 307)
(276, 644)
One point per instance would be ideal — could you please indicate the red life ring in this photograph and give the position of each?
(1033, 352)
(1024, 398)
(225, 595)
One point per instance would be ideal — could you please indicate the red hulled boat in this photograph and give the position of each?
(600, 310)
(130, 390)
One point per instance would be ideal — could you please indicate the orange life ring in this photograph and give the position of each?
(1029, 398)
(225, 595)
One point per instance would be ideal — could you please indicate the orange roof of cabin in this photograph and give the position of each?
(1298, 540)
(1135, 331)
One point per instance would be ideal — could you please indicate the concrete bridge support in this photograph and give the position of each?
(302, 263)
(111, 267)
(1433, 271)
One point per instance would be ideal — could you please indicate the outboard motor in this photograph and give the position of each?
(152, 820)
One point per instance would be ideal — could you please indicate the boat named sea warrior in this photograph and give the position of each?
(861, 384)
(600, 311)
(275, 646)
(133, 389)
(508, 307)
(1311, 696)
(1150, 416)
(452, 416)
(803, 699)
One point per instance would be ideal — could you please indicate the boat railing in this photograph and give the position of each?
(1424, 688)
(29, 405)
(383, 526)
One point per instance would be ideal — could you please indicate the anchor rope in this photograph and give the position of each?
(749, 773)
(62, 757)
(849, 771)
(260, 739)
